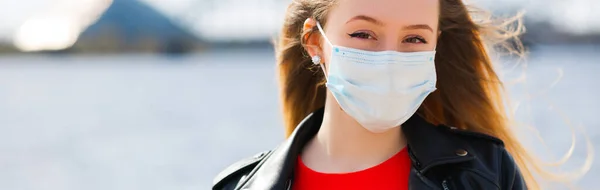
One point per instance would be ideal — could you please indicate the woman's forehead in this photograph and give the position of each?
(393, 13)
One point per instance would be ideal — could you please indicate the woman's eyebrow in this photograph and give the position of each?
(366, 18)
(418, 27)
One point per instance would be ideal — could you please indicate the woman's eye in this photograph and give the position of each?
(362, 35)
(415, 40)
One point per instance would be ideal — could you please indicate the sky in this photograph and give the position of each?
(231, 19)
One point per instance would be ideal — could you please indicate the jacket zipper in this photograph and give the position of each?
(289, 185)
(445, 185)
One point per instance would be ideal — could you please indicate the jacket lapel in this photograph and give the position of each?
(432, 145)
(274, 172)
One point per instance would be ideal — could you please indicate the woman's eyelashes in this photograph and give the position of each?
(414, 40)
(363, 35)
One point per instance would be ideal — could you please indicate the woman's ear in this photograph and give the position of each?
(312, 42)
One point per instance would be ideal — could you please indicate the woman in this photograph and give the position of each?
(386, 94)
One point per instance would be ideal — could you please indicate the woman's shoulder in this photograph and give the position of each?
(234, 174)
(492, 155)
(484, 146)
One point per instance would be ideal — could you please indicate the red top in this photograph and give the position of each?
(391, 174)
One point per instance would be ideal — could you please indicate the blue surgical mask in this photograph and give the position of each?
(380, 90)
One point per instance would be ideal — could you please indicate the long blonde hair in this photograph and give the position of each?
(469, 95)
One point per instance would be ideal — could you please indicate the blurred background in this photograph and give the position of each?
(157, 94)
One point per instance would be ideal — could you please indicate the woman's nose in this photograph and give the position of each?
(391, 45)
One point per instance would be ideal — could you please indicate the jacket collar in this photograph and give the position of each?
(429, 145)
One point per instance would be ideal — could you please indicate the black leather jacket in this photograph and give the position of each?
(442, 158)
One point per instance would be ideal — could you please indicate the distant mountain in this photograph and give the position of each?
(545, 33)
(131, 25)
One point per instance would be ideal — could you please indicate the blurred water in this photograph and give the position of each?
(150, 122)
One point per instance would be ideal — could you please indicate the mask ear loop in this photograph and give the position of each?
(323, 34)
(328, 42)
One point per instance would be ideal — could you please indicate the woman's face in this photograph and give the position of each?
(377, 25)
